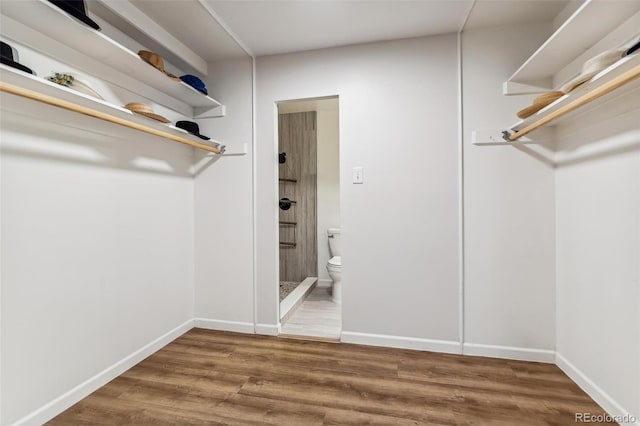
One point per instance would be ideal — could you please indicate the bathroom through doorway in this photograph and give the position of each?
(309, 218)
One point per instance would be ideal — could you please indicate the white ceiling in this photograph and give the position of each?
(191, 23)
(489, 13)
(270, 27)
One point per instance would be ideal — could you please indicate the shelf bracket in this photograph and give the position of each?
(208, 112)
(510, 88)
(503, 137)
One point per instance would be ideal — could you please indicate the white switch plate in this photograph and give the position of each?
(358, 175)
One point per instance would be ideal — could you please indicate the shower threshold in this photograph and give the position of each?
(290, 303)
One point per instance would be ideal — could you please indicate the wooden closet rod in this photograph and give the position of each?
(609, 86)
(50, 100)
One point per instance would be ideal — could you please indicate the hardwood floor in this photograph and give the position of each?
(210, 377)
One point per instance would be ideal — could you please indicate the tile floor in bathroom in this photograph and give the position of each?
(318, 316)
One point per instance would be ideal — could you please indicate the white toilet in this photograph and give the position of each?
(334, 265)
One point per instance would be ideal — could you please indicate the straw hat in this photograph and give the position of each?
(156, 61)
(593, 66)
(146, 110)
(539, 103)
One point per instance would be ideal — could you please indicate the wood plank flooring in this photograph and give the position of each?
(318, 316)
(221, 378)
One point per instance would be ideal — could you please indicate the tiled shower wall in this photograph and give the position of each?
(298, 139)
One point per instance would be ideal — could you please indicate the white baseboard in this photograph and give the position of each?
(324, 282)
(211, 324)
(445, 346)
(594, 391)
(509, 352)
(66, 400)
(268, 329)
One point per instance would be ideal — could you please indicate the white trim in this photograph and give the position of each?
(276, 191)
(254, 194)
(509, 352)
(268, 329)
(445, 346)
(221, 325)
(461, 258)
(226, 27)
(67, 399)
(466, 18)
(610, 405)
(290, 303)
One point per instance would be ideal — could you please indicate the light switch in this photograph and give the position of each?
(358, 175)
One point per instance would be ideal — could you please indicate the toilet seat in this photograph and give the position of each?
(335, 261)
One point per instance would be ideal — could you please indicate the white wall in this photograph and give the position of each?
(224, 207)
(598, 253)
(398, 119)
(96, 252)
(328, 184)
(97, 244)
(508, 207)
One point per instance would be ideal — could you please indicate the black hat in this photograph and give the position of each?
(192, 128)
(7, 58)
(633, 48)
(77, 9)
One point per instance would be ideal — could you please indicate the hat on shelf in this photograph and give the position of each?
(195, 82)
(146, 110)
(539, 103)
(77, 9)
(156, 61)
(7, 53)
(192, 128)
(72, 82)
(633, 46)
(593, 66)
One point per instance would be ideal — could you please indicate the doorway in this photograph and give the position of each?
(309, 206)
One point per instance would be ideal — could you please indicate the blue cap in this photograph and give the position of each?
(195, 82)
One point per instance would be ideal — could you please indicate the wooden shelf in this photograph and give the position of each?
(56, 24)
(592, 21)
(619, 79)
(23, 80)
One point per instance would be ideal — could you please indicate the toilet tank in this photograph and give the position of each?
(334, 241)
